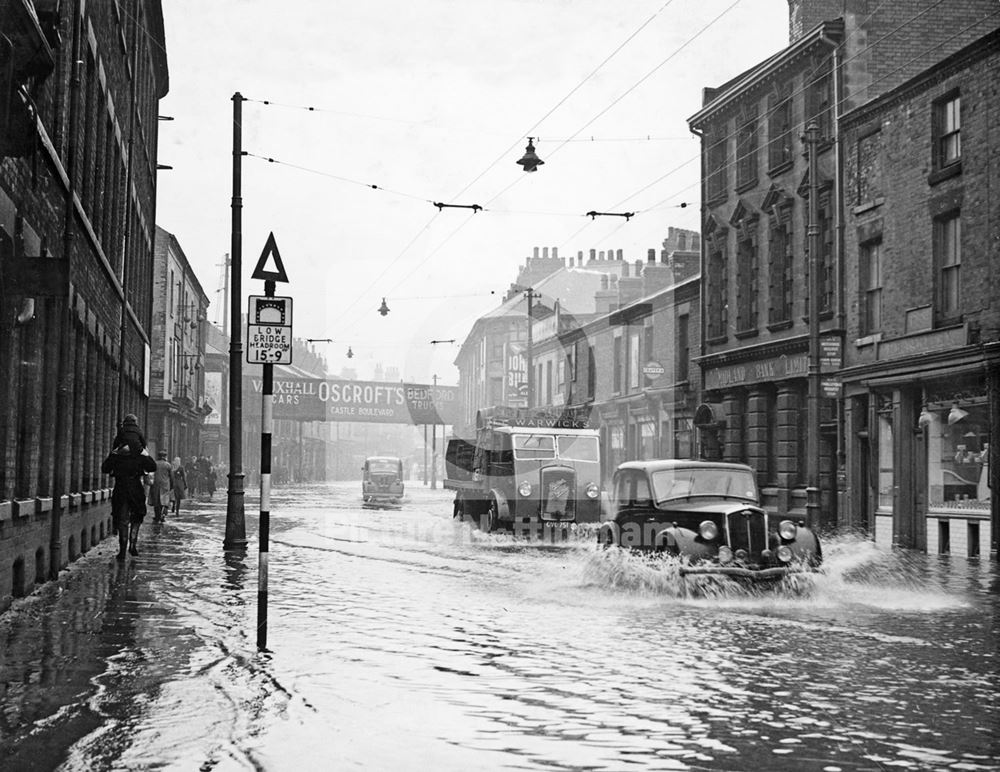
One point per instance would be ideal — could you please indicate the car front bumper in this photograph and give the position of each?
(740, 572)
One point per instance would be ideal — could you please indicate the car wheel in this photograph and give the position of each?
(490, 518)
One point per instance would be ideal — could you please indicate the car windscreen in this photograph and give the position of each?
(383, 466)
(534, 446)
(578, 447)
(669, 484)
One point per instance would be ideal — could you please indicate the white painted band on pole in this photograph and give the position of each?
(262, 572)
(267, 420)
(265, 492)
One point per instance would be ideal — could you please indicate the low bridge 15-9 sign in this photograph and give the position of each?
(269, 330)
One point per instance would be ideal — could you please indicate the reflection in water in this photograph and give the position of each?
(402, 639)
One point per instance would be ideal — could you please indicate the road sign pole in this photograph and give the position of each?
(269, 340)
(266, 431)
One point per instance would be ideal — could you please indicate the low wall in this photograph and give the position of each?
(26, 537)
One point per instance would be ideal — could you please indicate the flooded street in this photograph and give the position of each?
(401, 639)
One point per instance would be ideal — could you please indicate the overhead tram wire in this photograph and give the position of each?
(808, 82)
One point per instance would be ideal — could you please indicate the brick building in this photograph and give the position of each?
(922, 291)
(628, 361)
(755, 195)
(177, 398)
(79, 92)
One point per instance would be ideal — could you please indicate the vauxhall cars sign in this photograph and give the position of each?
(313, 399)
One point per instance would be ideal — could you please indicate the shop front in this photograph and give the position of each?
(922, 460)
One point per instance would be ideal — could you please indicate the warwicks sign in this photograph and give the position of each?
(309, 399)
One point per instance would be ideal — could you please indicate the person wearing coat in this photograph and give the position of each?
(128, 498)
(180, 484)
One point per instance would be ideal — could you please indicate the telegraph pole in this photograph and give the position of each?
(813, 506)
(434, 435)
(236, 532)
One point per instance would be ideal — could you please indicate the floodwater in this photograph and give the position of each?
(401, 639)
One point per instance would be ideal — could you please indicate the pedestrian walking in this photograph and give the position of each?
(211, 479)
(163, 483)
(193, 477)
(179, 484)
(128, 499)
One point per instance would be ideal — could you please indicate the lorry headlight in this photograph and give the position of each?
(786, 530)
(725, 554)
(784, 554)
(708, 530)
(524, 488)
(593, 491)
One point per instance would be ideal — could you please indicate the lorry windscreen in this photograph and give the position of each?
(534, 446)
(579, 447)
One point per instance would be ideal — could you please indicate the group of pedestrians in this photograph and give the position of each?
(139, 479)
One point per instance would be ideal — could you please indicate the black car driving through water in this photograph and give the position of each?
(708, 515)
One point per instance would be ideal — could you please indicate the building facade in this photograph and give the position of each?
(756, 191)
(177, 402)
(79, 91)
(922, 278)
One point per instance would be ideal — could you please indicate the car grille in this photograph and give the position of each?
(747, 531)
(558, 493)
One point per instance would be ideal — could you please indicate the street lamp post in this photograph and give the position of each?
(434, 435)
(813, 505)
(236, 538)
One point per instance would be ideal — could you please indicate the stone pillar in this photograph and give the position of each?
(791, 399)
(733, 445)
(757, 432)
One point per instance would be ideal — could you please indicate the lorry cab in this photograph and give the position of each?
(382, 480)
(524, 467)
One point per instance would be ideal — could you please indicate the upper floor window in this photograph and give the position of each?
(779, 129)
(616, 364)
(870, 272)
(819, 104)
(716, 162)
(780, 274)
(716, 291)
(746, 285)
(948, 133)
(683, 347)
(746, 150)
(948, 263)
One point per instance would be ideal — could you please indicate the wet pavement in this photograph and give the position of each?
(400, 639)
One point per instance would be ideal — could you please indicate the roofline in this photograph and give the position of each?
(980, 48)
(824, 32)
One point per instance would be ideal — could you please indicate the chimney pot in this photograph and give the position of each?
(601, 255)
(651, 255)
(619, 254)
(536, 252)
(555, 251)
(593, 254)
(545, 252)
(664, 256)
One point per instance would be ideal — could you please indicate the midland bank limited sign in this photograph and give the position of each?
(313, 399)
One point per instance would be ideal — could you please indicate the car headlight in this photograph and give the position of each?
(787, 530)
(524, 488)
(593, 490)
(725, 554)
(708, 530)
(784, 554)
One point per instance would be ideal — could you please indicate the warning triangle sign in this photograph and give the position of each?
(270, 267)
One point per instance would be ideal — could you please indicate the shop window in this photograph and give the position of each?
(885, 460)
(958, 457)
(647, 439)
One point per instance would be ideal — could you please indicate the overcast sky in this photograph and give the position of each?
(433, 102)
